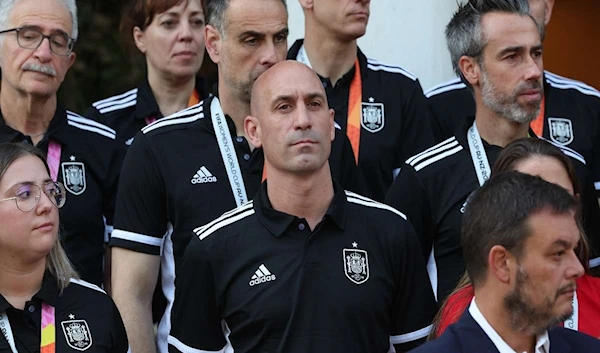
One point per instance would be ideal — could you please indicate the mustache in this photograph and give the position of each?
(44, 69)
(528, 86)
(566, 289)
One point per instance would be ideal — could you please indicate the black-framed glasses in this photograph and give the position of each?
(31, 38)
(27, 196)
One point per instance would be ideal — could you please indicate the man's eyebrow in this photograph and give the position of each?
(513, 49)
(314, 95)
(54, 31)
(251, 34)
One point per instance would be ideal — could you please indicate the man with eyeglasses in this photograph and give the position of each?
(36, 51)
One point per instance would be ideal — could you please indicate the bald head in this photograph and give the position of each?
(281, 82)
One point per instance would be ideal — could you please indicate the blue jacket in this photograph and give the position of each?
(466, 336)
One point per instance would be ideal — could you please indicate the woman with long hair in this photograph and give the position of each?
(536, 157)
(44, 307)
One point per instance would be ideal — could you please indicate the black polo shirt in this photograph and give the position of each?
(353, 284)
(128, 112)
(405, 128)
(571, 116)
(432, 189)
(174, 179)
(88, 148)
(86, 320)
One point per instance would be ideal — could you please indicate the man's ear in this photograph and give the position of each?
(331, 118)
(500, 262)
(549, 6)
(253, 132)
(470, 69)
(139, 39)
(213, 42)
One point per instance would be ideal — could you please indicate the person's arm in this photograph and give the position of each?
(195, 316)
(119, 335)
(414, 304)
(134, 278)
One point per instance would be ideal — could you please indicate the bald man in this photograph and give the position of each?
(306, 266)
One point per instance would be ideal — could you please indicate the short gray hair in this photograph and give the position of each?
(6, 7)
(215, 13)
(464, 35)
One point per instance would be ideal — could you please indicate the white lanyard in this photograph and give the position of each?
(303, 57)
(572, 323)
(480, 160)
(227, 149)
(7, 331)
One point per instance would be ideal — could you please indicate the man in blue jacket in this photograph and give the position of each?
(519, 237)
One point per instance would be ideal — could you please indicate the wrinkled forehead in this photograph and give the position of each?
(48, 15)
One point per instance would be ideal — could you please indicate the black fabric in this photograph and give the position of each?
(281, 287)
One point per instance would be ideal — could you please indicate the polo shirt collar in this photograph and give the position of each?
(48, 293)
(542, 344)
(278, 222)
(465, 125)
(56, 129)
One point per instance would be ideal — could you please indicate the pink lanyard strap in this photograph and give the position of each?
(53, 157)
(48, 336)
(150, 120)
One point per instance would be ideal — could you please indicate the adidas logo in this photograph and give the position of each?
(203, 176)
(261, 275)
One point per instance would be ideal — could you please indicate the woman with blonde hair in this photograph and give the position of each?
(536, 157)
(44, 307)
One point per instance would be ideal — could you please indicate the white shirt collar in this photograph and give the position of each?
(541, 346)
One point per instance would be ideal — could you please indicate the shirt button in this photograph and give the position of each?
(301, 226)
(31, 308)
(247, 157)
(239, 139)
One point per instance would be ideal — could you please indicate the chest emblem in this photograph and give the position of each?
(561, 130)
(74, 176)
(356, 264)
(373, 116)
(77, 334)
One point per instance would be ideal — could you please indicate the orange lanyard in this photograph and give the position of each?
(354, 111)
(538, 124)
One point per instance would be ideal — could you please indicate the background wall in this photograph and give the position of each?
(407, 33)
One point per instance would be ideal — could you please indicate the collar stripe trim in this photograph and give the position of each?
(444, 84)
(444, 89)
(113, 98)
(127, 99)
(80, 119)
(136, 238)
(225, 215)
(86, 284)
(117, 107)
(91, 129)
(173, 121)
(351, 197)
(562, 79)
(452, 141)
(575, 87)
(411, 336)
(390, 68)
(438, 158)
(223, 223)
(180, 346)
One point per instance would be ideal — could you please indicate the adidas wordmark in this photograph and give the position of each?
(203, 176)
(261, 275)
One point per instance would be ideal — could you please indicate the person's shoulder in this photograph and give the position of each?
(567, 85)
(575, 340)
(391, 72)
(448, 90)
(446, 343)
(366, 206)
(90, 128)
(117, 102)
(179, 121)
(84, 290)
(230, 223)
(576, 157)
(437, 159)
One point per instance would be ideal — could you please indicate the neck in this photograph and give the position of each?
(19, 282)
(497, 130)
(235, 107)
(27, 114)
(299, 195)
(171, 94)
(329, 56)
(492, 308)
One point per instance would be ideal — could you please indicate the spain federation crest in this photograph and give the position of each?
(74, 177)
(356, 265)
(77, 334)
(561, 130)
(373, 116)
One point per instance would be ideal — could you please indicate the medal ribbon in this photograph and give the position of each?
(354, 103)
(47, 335)
(53, 158)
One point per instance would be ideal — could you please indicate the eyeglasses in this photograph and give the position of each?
(31, 38)
(28, 196)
